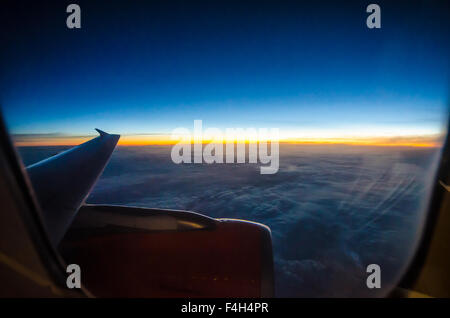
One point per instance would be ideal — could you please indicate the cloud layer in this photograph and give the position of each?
(332, 209)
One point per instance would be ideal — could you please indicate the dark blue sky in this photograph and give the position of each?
(306, 67)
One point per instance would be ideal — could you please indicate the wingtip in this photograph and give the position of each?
(101, 132)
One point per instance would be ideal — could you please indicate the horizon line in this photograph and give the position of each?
(375, 142)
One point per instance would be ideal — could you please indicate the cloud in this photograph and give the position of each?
(332, 209)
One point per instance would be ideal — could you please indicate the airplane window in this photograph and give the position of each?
(336, 124)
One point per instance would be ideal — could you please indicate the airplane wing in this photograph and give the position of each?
(159, 253)
(63, 182)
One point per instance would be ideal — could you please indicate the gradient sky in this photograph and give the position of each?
(310, 68)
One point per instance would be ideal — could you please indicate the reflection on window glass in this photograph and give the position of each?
(360, 114)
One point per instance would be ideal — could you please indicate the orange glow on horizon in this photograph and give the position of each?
(66, 141)
(163, 140)
(376, 141)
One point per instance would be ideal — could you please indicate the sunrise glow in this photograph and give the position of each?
(161, 140)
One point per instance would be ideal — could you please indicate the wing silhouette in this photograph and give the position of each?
(63, 182)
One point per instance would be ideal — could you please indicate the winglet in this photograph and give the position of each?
(101, 132)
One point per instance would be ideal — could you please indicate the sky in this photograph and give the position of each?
(310, 68)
